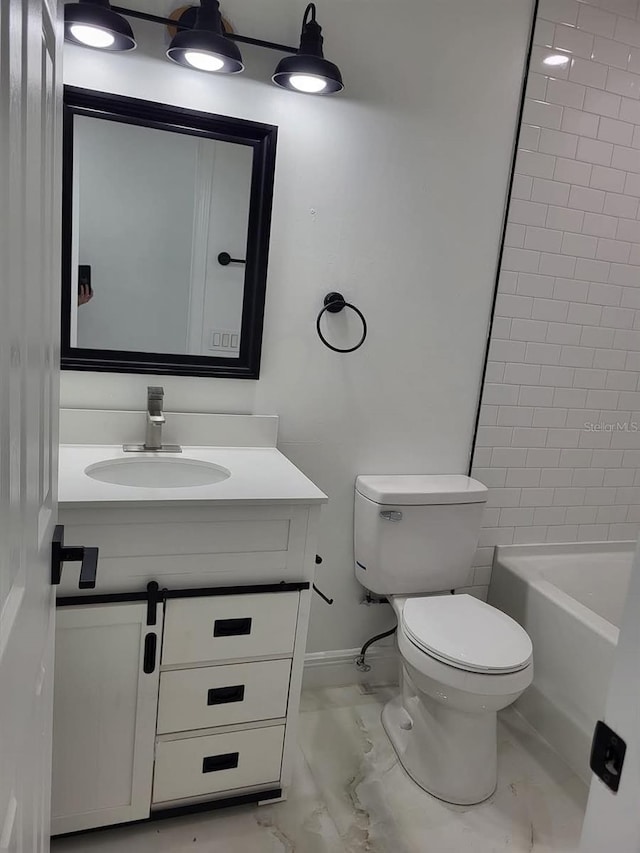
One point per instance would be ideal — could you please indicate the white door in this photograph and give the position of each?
(612, 821)
(29, 298)
(106, 698)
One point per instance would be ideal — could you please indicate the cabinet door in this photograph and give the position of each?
(105, 709)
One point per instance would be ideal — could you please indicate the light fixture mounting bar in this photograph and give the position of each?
(269, 45)
(170, 22)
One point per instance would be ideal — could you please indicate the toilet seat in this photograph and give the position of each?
(465, 633)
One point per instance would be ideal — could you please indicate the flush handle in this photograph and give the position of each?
(391, 515)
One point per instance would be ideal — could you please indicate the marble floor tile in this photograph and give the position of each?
(351, 795)
(350, 696)
(538, 805)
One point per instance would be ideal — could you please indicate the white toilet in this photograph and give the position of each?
(462, 660)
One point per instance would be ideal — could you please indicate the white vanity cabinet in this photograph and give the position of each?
(209, 715)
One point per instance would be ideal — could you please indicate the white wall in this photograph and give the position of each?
(560, 437)
(392, 193)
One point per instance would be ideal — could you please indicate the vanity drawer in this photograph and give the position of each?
(224, 627)
(222, 695)
(192, 767)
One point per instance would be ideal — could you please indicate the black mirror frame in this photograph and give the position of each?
(262, 138)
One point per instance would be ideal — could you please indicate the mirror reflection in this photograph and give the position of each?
(157, 216)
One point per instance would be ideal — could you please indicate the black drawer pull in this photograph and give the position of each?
(224, 695)
(231, 627)
(227, 761)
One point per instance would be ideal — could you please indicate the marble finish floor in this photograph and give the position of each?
(350, 795)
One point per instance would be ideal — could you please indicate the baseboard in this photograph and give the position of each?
(337, 668)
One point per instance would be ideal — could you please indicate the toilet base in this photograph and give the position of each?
(450, 754)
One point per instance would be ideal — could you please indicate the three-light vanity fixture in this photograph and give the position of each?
(201, 42)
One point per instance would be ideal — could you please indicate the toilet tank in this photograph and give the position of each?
(416, 534)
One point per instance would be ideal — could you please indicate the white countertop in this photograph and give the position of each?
(258, 475)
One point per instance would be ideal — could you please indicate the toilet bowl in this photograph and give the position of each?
(462, 661)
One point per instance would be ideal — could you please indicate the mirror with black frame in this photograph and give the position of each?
(166, 218)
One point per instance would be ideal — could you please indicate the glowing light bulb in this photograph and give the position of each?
(556, 59)
(306, 83)
(204, 61)
(92, 36)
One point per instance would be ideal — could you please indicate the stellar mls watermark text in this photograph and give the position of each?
(615, 426)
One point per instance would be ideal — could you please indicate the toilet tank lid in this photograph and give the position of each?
(421, 489)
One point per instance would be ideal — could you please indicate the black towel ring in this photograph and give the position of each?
(334, 303)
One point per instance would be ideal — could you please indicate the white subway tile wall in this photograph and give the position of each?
(558, 442)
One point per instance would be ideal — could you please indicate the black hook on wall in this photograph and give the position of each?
(334, 303)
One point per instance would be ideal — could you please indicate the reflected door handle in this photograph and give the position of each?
(224, 259)
(61, 553)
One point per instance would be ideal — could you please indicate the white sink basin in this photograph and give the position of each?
(153, 472)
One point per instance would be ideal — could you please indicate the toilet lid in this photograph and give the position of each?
(466, 633)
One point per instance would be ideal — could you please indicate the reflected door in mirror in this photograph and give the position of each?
(153, 211)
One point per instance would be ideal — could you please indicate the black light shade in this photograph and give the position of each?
(206, 47)
(308, 71)
(93, 23)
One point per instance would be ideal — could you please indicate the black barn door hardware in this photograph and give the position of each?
(150, 646)
(154, 598)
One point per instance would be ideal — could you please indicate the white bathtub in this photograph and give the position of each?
(569, 598)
